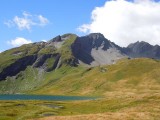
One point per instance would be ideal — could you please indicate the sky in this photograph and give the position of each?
(121, 21)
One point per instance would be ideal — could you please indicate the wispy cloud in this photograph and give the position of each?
(9, 23)
(18, 41)
(44, 40)
(43, 20)
(27, 21)
(125, 22)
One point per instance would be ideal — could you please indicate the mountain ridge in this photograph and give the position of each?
(143, 49)
(69, 49)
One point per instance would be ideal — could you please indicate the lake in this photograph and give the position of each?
(43, 97)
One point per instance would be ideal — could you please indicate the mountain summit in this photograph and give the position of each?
(94, 49)
(143, 49)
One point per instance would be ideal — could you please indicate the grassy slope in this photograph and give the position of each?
(24, 81)
(10, 56)
(130, 76)
(32, 78)
(65, 50)
(127, 76)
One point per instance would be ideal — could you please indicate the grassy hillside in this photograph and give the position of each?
(24, 81)
(126, 76)
(65, 50)
(33, 77)
(10, 56)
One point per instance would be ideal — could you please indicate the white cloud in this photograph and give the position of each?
(19, 41)
(27, 21)
(126, 22)
(43, 20)
(9, 23)
(22, 23)
(44, 40)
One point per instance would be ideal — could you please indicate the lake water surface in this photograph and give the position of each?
(43, 97)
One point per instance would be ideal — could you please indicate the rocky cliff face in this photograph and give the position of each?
(69, 49)
(19, 65)
(94, 49)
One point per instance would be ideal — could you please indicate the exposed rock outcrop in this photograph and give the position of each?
(54, 65)
(16, 67)
(41, 59)
(94, 49)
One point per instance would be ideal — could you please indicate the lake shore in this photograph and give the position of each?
(125, 106)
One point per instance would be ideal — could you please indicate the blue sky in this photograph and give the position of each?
(64, 16)
(23, 21)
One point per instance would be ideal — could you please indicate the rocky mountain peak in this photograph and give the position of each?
(95, 36)
(58, 41)
(94, 49)
(138, 44)
(55, 39)
(62, 38)
(143, 49)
